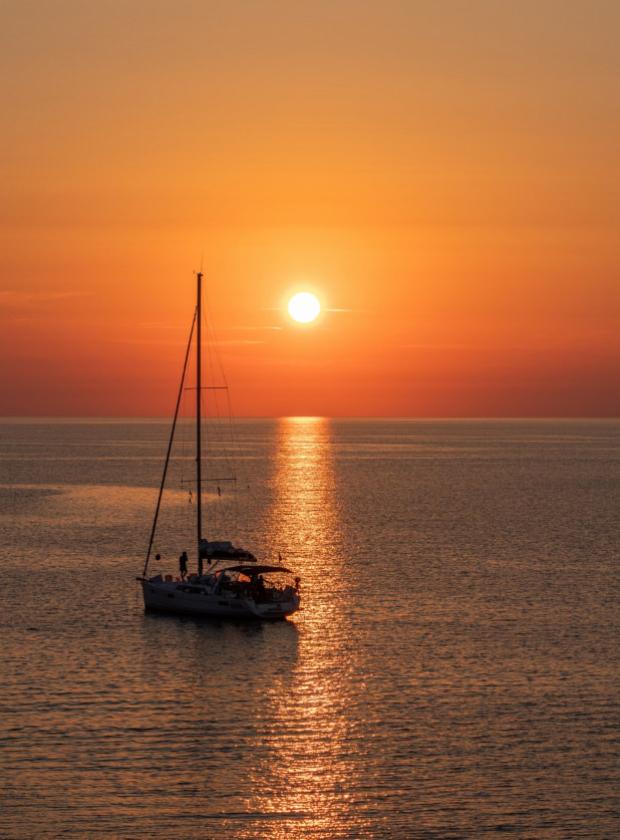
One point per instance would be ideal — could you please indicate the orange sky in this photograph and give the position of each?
(444, 174)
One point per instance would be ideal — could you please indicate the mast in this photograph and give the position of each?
(198, 416)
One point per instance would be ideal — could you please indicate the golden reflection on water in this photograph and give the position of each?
(305, 781)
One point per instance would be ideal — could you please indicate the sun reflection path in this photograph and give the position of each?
(304, 788)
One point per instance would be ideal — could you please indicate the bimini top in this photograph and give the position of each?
(252, 571)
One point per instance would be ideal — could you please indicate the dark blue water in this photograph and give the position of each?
(453, 673)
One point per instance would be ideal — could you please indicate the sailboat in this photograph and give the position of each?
(229, 581)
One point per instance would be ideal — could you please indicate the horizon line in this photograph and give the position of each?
(8, 418)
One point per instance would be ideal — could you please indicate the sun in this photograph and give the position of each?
(304, 307)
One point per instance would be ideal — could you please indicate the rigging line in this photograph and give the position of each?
(218, 423)
(216, 363)
(170, 441)
(224, 432)
(229, 442)
(184, 446)
(234, 459)
(212, 377)
(216, 513)
(222, 372)
(208, 439)
(209, 480)
(207, 387)
(210, 520)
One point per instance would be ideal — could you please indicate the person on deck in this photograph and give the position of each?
(183, 565)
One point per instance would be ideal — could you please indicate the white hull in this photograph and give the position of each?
(188, 599)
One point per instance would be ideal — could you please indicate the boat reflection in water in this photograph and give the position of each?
(302, 783)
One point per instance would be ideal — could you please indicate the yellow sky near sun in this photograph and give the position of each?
(442, 174)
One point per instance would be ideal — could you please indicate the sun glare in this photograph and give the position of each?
(304, 307)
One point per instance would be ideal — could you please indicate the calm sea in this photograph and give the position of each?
(453, 673)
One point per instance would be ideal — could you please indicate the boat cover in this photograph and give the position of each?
(224, 550)
(256, 570)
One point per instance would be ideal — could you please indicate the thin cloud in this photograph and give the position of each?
(13, 297)
(326, 309)
(232, 342)
(250, 329)
(166, 342)
(534, 347)
(434, 346)
(159, 342)
(155, 325)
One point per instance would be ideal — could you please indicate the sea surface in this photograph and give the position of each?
(454, 672)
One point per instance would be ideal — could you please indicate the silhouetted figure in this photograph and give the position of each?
(183, 565)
